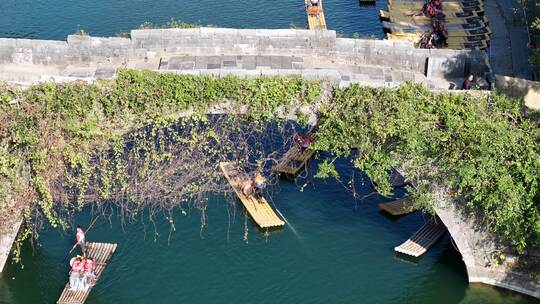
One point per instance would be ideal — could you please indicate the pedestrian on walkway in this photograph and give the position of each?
(467, 84)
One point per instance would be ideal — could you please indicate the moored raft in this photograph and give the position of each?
(415, 38)
(453, 42)
(315, 16)
(398, 207)
(446, 6)
(468, 29)
(403, 20)
(259, 209)
(408, 19)
(294, 159)
(411, 13)
(101, 253)
(420, 242)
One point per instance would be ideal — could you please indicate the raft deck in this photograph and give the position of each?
(423, 239)
(294, 160)
(315, 16)
(101, 253)
(260, 210)
(398, 207)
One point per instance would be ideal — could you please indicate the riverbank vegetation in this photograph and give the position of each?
(145, 141)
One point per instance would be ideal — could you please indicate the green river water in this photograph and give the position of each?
(332, 250)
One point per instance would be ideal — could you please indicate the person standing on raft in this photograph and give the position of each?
(80, 238)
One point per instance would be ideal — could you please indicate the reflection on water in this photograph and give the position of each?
(344, 255)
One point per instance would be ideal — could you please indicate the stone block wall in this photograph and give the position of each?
(86, 50)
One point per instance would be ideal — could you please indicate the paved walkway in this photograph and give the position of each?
(508, 53)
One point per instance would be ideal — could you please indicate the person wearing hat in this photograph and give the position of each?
(77, 280)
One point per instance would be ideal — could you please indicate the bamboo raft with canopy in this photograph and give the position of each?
(294, 159)
(101, 253)
(315, 16)
(398, 207)
(420, 242)
(258, 208)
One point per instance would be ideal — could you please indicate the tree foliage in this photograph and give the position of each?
(146, 141)
(482, 148)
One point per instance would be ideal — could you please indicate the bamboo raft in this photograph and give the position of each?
(260, 210)
(398, 207)
(101, 253)
(315, 16)
(396, 28)
(447, 8)
(405, 19)
(462, 30)
(423, 239)
(458, 42)
(293, 161)
(445, 4)
(415, 37)
(410, 13)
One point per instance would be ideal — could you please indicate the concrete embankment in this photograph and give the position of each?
(486, 258)
(249, 52)
(7, 238)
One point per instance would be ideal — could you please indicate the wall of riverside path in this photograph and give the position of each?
(81, 50)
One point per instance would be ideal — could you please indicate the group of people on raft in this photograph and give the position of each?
(433, 9)
(254, 186)
(83, 268)
(436, 38)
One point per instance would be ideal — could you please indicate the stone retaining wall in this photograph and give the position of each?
(479, 248)
(155, 43)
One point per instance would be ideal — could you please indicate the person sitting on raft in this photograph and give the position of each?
(77, 280)
(314, 2)
(431, 10)
(254, 186)
(89, 270)
(425, 41)
(437, 4)
(304, 141)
